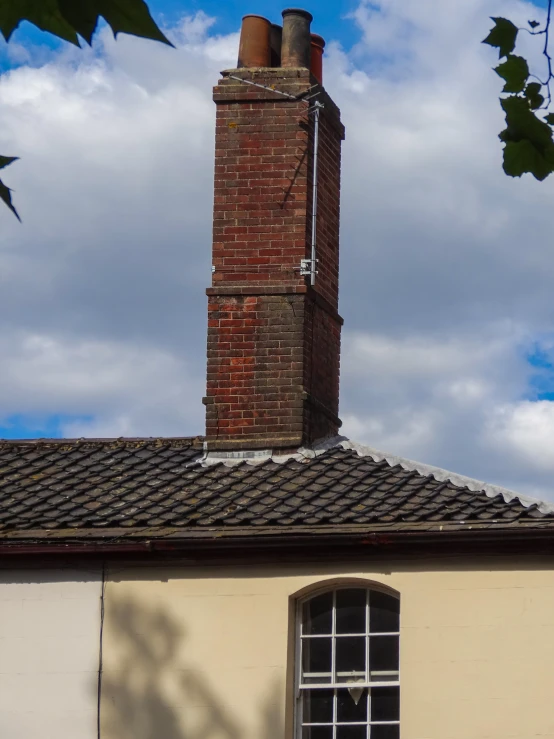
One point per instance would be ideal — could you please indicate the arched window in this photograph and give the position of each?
(348, 671)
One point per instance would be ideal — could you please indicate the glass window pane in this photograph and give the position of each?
(385, 704)
(383, 653)
(352, 707)
(351, 608)
(317, 614)
(317, 706)
(350, 657)
(384, 731)
(317, 732)
(384, 612)
(351, 732)
(316, 660)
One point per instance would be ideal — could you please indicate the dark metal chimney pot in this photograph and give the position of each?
(296, 46)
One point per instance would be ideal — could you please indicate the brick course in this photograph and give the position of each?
(273, 340)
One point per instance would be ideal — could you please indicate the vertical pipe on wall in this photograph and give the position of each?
(313, 270)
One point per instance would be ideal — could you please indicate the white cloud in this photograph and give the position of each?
(525, 429)
(446, 264)
(134, 390)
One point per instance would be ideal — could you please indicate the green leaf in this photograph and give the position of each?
(533, 95)
(131, 16)
(5, 192)
(535, 102)
(6, 196)
(549, 118)
(69, 19)
(123, 16)
(522, 156)
(45, 14)
(533, 88)
(4, 161)
(522, 123)
(82, 16)
(515, 72)
(503, 36)
(533, 24)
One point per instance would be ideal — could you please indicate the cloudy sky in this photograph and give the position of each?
(447, 265)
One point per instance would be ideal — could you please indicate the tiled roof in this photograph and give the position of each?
(167, 487)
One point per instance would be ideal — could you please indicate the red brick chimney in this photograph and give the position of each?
(273, 325)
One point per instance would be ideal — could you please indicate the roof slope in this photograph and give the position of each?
(168, 487)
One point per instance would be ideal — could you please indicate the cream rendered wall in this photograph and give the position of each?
(202, 653)
(49, 640)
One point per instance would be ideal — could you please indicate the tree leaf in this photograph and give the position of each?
(44, 14)
(5, 192)
(522, 156)
(82, 16)
(515, 72)
(4, 161)
(533, 95)
(533, 88)
(535, 102)
(549, 118)
(522, 123)
(123, 16)
(69, 19)
(6, 196)
(533, 24)
(503, 36)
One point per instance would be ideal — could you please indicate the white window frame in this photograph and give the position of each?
(367, 683)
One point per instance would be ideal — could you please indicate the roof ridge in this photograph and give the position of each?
(60, 441)
(325, 445)
(442, 475)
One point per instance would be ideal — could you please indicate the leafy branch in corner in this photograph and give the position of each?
(69, 20)
(528, 143)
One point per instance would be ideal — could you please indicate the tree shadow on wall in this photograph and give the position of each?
(153, 690)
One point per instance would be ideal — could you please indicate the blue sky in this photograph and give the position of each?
(446, 264)
(332, 20)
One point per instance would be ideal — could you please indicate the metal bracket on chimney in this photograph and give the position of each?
(308, 267)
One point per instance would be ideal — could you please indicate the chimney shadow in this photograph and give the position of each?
(287, 192)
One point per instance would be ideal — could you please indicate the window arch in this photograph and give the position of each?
(347, 676)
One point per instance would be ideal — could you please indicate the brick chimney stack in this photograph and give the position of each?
(273, 325)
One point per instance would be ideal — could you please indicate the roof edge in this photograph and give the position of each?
(230, 459)
(442, 475)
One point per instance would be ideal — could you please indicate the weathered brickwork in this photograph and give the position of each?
(273, 340)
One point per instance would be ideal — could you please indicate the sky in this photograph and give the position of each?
(447, 265)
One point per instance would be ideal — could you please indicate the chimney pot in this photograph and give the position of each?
(316, 62)
(254, 47)
(296, 45)
(275, 41)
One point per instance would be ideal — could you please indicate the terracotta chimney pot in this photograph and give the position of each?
(316, 64)
(254, 46)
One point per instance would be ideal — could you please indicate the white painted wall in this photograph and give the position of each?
(49, 641)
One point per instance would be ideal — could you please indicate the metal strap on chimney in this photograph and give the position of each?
(263, 87)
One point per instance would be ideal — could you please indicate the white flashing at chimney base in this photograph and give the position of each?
(304, 454)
